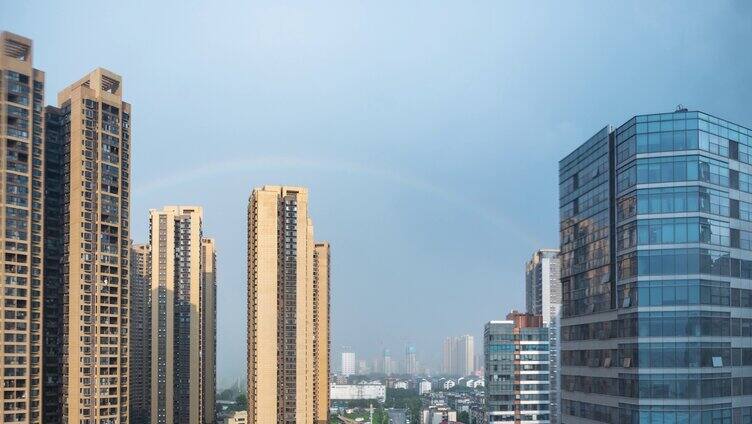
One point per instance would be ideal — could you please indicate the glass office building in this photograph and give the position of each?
(656, 269)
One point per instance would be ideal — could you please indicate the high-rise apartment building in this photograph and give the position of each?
(458, 356)
(348, 362)
(543, 297)
(283, 316)
(182, 316)
(140, 334)
(54, 207)
(22, 215)
(321, 325)
(96, 221)
(656, 235)
(209, 330)
(516, 370)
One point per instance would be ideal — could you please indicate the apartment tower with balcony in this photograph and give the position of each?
(96, 222)
(22, 215)
(288, 318)
(183, 265)
(140, 334)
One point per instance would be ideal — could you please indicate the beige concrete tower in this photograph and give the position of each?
(140, 334)
(209, 330)
(281, 328)
(95, 263)
(182, 342)
(21, 212)
(321, 321)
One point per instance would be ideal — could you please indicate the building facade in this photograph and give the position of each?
(182, 317)
(543, 297)
(140, 334)
(656, 272)
(516, 370)
(282, 309)
(22, 169)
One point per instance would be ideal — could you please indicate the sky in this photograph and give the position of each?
(428, 132)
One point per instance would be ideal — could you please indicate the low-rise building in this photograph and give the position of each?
(424, 387)
(437, 415)
(357, 391)
(237, 417)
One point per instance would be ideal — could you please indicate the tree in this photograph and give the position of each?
(464, 417)
(241, 402)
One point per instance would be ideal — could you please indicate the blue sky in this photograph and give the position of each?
(429, 133)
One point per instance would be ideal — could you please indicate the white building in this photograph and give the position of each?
(448, 384)
(348, 362)
(401, 385)
(357, 391)
(237, 417)
(424, 387)
(437, 415)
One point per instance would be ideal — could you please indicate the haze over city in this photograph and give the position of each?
(428, 134)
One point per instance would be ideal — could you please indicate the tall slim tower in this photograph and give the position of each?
(282, 352)
(22, 152)
(140, 335)
(465, 355)
(54, 202)
(209, 329)
(182, 314)
(321, 322)
(97, 248)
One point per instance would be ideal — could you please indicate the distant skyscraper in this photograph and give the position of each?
(543, 297)
(21, 169)
(449, 356)
(348, 362)
(387, 362)
(182, 293)
(656, 272)
(140, 334)
(411, 361)
(465, 355)
(542, 284)
(458, 356)
(282, 304)
(362, 367)
(516, 364)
